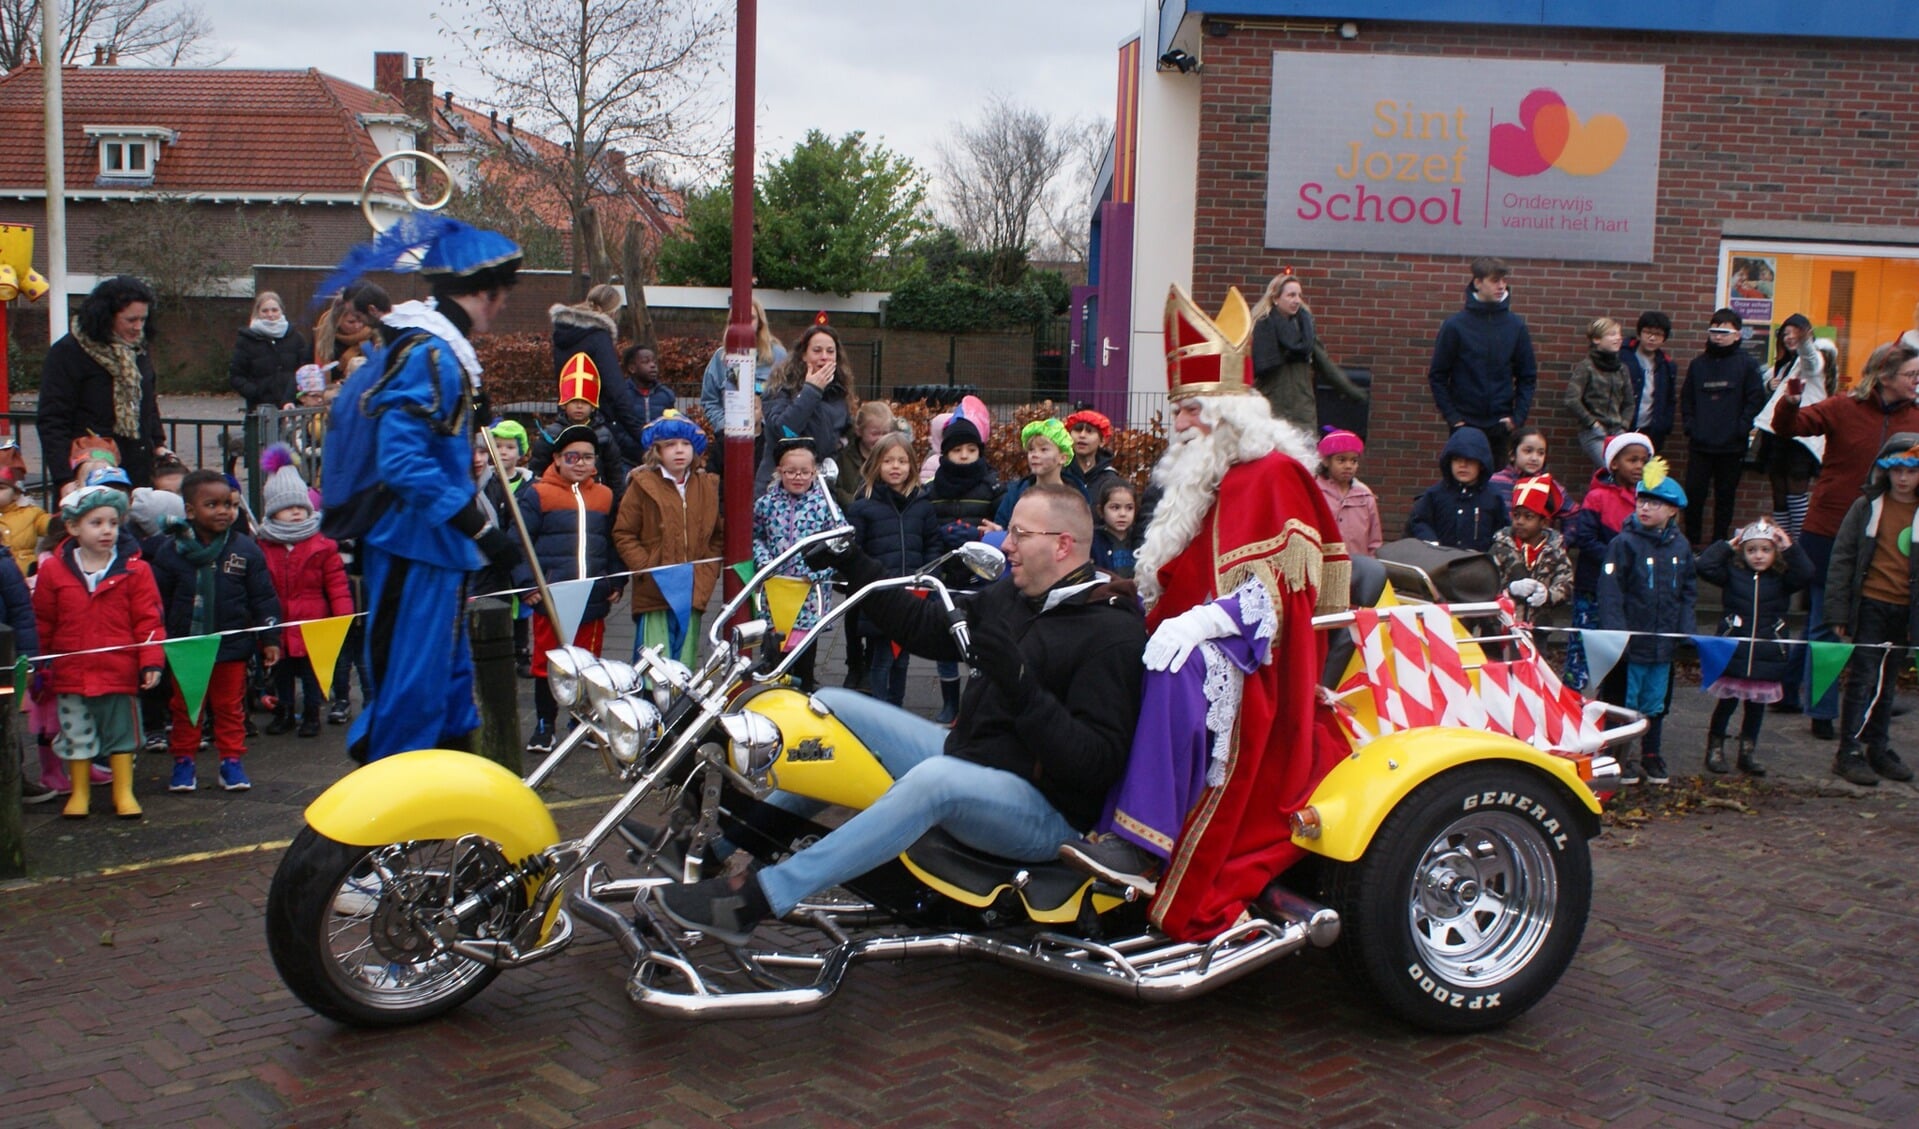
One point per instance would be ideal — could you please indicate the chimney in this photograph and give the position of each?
(389, 72)
(448, 96)
(493, 119)
(113, 55)
(509, 125)
(99, 54)
(416, 95)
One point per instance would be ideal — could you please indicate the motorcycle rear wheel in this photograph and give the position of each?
(1470, 901)
(347, 943)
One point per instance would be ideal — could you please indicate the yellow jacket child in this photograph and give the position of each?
(22, 524)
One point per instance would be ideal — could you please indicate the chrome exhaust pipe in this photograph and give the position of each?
(1320, 922)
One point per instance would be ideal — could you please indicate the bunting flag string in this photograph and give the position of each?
(744, 570)
(323, 639)
(676, 587)
(1603, 649)
(192, 661)
(1828, 659)
(785, 595)
(569, 604)
(1715, 651)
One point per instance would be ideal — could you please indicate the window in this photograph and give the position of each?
(128, 153)
(1858, 296)
(124, 158)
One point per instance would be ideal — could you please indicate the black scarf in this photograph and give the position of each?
(955, 479)
(1602, 360)
(1295, 334)
(1716, 350)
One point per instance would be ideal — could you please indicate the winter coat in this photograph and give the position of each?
(572, 531)
(1454, 513)
(899, 531)
(1754, 608)
(76, 397)
(1815, 363)
(718, 378)
(16, 604)
(1091, 482)
(1116, 555)
(781, 517)
(1724, 390)
(963, 498)
(123, 608)
(1552, 567)
(651, 403)
(1069, 729)
(262, 367)
(1856, 430)
(1357, 512)
(1852, 553)
(1659, 384)
(610, 466)
(490, 577)
(1648, 584)
(22, 525)
(1601, 515)
(1598, 399)
(658, 526)
(310, 578)
(245, 595)
(820, 417)
(588, 331)
(1290, 383)
(1483, 367)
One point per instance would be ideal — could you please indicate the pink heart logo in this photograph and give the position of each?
(1520, 150)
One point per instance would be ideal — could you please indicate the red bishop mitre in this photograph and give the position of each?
(580, 380)
(1208, 356)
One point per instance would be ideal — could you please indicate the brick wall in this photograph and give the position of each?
(1820, 131)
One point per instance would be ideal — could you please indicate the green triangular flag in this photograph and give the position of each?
(1828, 659)
(192, 662)
(22, 671)
(744, 570)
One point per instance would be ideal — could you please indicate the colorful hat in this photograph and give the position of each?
(1048, 428)
(1208, 356)
(673, 425)
(433, 244)
(92, 498)
(109, 476)
(1338, 441)
(284, 486)
(1540, 494)
(1086, 417)
(1898, 458)
(580, 380)
(511, 429)
(1619, 443)
(308, 379)
(1658, 482)
(1761, 530)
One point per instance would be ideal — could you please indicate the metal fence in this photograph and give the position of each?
(197, 442)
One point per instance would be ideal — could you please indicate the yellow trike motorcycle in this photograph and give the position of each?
(1447, 867)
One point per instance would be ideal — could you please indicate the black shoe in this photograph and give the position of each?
(1886, 763)
(949, 702)
(1851, 766)
(725, 909)
(1822, 729)
(1716, 753)
(309, 726)
(1749, 760)
(249, 727)
(523, 668)
(339, 712)
(542, 739)
(282, 723)
(1115, 860)
(1654, 766)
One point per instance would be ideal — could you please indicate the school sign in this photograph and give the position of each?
(1463, 156)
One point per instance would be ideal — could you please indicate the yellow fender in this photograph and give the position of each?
(434, 794)
(1357, 795)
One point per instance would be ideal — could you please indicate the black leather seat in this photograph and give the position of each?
(1050, 884)
(1369, 583)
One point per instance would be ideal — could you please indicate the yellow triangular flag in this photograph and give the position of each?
(785, 595)
(323, 638)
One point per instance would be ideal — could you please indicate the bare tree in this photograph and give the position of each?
(997, 174)
(1069, 209)
(620, 81)
(168, 33)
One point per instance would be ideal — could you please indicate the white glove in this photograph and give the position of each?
(1529, 590)
(1176, 639)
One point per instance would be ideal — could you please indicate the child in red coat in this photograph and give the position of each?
(310, 577)
(90, 596)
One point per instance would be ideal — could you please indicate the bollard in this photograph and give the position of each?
(13, 841)
(497, 684)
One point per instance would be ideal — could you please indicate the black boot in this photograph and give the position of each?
(1749, 759)
(949, 701)
(1886, 763)
(1716, 752)
(1850, 765)
(282, 719)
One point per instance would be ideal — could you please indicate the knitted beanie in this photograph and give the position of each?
(959, 430)
(150, 509)
(284, 486)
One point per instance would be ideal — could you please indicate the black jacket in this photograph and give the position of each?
(246, 596)
(1658, 384)
(1090, 482)
(1649, 584)
(1483, 367)
(16, 604)
(1070, 730)
(900, 532)
(76, 397)
(1724, 390)
(963, 496)
(262, 367)
(587, 331)
(1755, 606)
(1455, 514)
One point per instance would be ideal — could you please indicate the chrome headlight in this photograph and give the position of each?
(753, 742)
(607, 680)
(672, 678)
(632, 727)
(564, 665)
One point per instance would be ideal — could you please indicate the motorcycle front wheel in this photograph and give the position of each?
(347, 927)
(1470, 901)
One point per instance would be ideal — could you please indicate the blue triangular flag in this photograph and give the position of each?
(1714, 653)
(1603, 649)
(569, 604)
(676, 588)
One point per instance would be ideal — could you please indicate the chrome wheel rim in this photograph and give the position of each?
(380, 946)
(1483, 898)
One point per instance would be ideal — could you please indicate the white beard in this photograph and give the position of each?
(1189, 473)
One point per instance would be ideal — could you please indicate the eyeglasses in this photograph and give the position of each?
(799, 472)
(1718, 331)
(575, 458)
(1018, 534)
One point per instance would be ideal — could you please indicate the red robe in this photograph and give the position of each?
(1269, 521)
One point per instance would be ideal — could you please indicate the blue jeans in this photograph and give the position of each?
(988, 809)
(886, 671)
(1820, 550)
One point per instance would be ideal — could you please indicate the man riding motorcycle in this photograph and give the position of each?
(1041, 737)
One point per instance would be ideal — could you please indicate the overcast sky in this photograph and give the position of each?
(902, 70)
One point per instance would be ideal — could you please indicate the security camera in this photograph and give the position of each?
(1178, 60)
(1349, 30)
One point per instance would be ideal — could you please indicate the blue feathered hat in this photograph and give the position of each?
(673, 425)
(434, 245)
(1657, 482)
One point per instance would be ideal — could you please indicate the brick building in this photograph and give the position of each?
(1786, 174)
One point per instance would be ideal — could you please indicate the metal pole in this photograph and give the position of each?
(56, 142)
(13, 837)
(489, 625)
(740, 356)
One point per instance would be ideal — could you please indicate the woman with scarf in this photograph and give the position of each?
(267, 355)
(1287, 355)
(98, 381)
